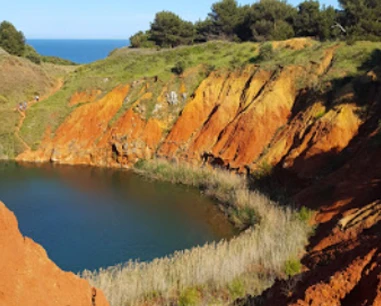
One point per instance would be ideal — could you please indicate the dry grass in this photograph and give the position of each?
(253, 259)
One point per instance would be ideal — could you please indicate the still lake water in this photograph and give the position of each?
(81, 51)
(87, 218)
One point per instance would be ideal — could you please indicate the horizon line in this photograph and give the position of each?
(41, 38)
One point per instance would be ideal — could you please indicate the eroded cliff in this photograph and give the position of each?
(29, 277)
(309, 119)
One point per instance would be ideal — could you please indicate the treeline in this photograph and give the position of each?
(266, 20)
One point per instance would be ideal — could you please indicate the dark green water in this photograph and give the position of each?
(87, 218)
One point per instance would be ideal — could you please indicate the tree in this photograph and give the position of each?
(271, 20)
(204, 30)
(328, 18)
(169, 30)
(141, 40)
(226, 15)
(307, 20)
(11, 40)
(313, 21)
(362, 18)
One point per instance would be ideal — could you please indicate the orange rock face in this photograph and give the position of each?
(84, 97)
(320, 142)
(29, 277)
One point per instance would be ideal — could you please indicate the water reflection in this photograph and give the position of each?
(90, 218)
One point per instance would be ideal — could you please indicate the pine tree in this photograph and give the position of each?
(11, 40)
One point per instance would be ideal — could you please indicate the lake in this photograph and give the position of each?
(81, 51)
(88, 218)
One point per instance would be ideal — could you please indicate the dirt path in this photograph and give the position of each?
(57, 87)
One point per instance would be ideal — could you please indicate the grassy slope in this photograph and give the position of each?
(125, 66)
(21, 80)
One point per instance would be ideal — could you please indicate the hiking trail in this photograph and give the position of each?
(57, 87)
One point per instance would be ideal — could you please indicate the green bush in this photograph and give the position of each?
(179, 67)
(292, 267)
(266, 52)
(305, 214)
(237, 289)
(11, 40)
(34, 58)
(189, 297)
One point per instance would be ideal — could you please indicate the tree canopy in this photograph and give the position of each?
(169, 30)
(267, 20)
(11, 40)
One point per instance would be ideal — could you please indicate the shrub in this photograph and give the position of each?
(218, 267)
(189, 297)
(237, 288)
(266, 52)
(34, 58)
(305, 214)
(264, 170)
(292, 267)
(320, 115)
(179, 67)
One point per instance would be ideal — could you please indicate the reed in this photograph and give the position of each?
(216, 272)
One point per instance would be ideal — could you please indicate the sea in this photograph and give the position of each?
(80, 51)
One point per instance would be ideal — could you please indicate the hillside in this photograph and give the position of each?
(22, 80)
(304, 118)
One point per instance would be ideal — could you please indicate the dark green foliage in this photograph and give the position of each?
(141, 40)
(307, 20)
(56, 60)
(327, 26)
(11, 40)
(204, 30)
(226, 15)
(316, 22)
(362, 18)
(34, 58)
(179, 67)
(169, 30)
(267, 20)
(271, 20)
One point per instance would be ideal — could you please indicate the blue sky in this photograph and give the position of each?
(113, 19)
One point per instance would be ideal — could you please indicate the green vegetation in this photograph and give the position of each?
(169, 30)
(11, 40)
(266, 52)
(128, 65)
(31, 54)
(21, 80)
(305, 214)
(215, 273)
(292, 267)
(189, 297)
(266, 20)
(189, 65)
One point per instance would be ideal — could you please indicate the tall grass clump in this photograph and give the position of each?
(246, 264)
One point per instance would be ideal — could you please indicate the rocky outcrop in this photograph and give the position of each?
(29, 277)
(320, 139)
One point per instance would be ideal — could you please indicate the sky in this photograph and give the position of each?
(96, 19)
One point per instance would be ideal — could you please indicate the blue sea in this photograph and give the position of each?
(81, 51)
